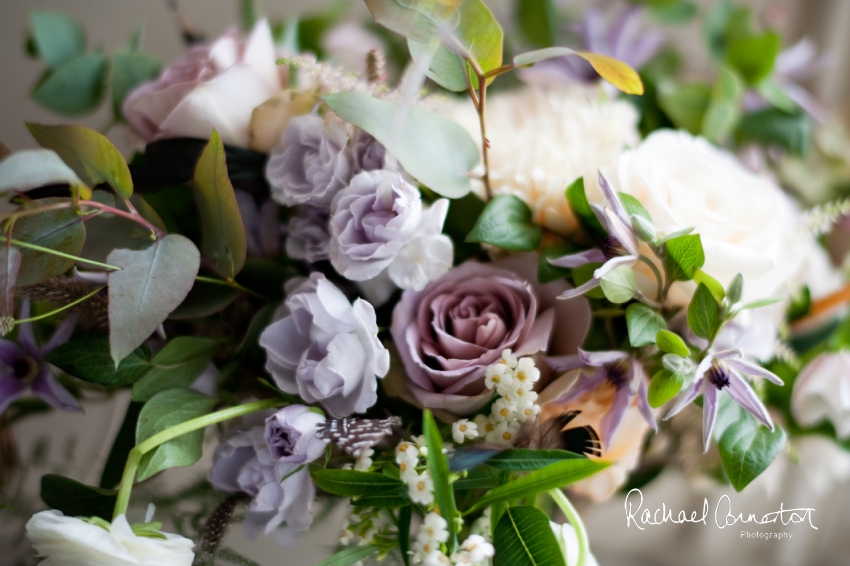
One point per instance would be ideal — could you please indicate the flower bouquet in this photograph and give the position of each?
(465, 281)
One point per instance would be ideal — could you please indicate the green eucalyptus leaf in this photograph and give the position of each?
(89, 153)
(351, 483)
(791, 131)
(671, 343)
(223, 238)
(525, 460)
(151, 283)
(612, 70)
(724, 110)
(537, 20)
(577, 197)
(643, 324)
(165, 410)
(88, 358)
(350, 555)
(438, 465)
(713, 284)
(407, 21)
(703, 313)
(76, 499)
(61, 230)
(775, 95)
(619, 284)
(33, 168)
(433, 149)
(664, 386)
(177, 365)
(684, 255)
(129, 70)
(57, 38)
(523, 537)
(75, 88)
(506, 223)
(754, 56)
(747, 449)
(685, 104)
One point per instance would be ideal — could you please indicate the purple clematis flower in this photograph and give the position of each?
(621, 248)
(613, 369)
(23, 366)
(723, 371)
(619, 37)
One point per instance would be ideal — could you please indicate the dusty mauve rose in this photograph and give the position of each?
(375, 218)
(310, 165)
(212, 86)
(307, 235)
(292, 435)
(822, 392)
(369, 154)
(448, 333)
(326, 350)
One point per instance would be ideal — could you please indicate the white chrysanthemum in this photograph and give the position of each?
(464, 429)
(542, 140)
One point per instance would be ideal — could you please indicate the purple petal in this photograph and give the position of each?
(703, 367)
(643, 406)
(564, 363)
(582, 384)
(599, 212)
(730, 353)
(709, 414)
(63, 332)
(741, 392)
(10, 389)
(580, 290)
(753, 369)
(46, 387)
(581, 258)
(624, 233)
(26, 338)
(9, 352)
(612, 419)
(623, 29)
(686, 398)
(614, 263)
(597, 359)
(637, 377)
(614, 200)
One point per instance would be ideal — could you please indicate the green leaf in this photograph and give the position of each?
(60, 230)
(223, 238)
(747, 449)
(438, 465)
(57, 38)
(774, 127)
(755, 55)
(525, 460)
(684, 254)
(619, 284)
(405, 514)
(724, 111)
(612, 70)
(553, 476)
(389, 500)
(203, 300)
(671, 343)
(165, 410)
(506, 223)
(249, 14)
(713, 284)
(87, 358)
(435, 150)
(523, 537)
(685, 104)
(76, 499)
(176, 366)
(460, 219)
(758, 303)
(703, 313)
(406, 21)
(351, 483)
(128, 71)
(546, 272)
(673, 13)
(151, 284)
(735, 290)
(33, 168)
(577, 197)
(10, 265)
(643, 324)
(584, 273)
(634, 207)
(537, 20)
(89, 154)
(76, 87)
(124, 441)
(664, 386)
(350, 555)
(775, 95)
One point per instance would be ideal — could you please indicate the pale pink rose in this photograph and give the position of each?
(822, 392)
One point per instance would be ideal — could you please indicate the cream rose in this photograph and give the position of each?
(747, 224)
(822, 392)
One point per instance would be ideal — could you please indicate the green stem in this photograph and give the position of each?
(231, 284)
(575, 520)
(21, 244)
(136, 454)
(62, 308)
(658, 278)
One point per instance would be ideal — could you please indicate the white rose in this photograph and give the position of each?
(747, 224)
(822, 391)
(216, 85)
(69, 541)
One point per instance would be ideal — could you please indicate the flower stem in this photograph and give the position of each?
(62, 308)
(231, 284)
(136, 454)
(21, 244)
(658, 277)
(575, 520)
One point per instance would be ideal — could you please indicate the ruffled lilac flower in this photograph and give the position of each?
(620, 249)
(292, 435)
(376, 219)
(612, 369)
(310, 164)
(262, 227)
(308, 234)
(721, 371)
(368, 153)
(282, 494)
(327, 350)
(619, 37)
(23, 366)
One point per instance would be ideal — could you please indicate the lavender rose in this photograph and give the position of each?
(368, 153)
(375, 218)
(310, 165)
(327, 350)
(448, 333)
(291, 434)
(307, 235)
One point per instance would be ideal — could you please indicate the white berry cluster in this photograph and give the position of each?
(429, 549)
(364, 526)
(514, 382)
(420, 486)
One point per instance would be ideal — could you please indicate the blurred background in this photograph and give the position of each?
(77, 445)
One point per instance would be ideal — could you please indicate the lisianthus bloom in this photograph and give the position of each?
(70, 541)
(615, 370)
(721, 371)
(308, 234)
(262, 227)
(621, 248)
(23, 366)
(822, 392)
